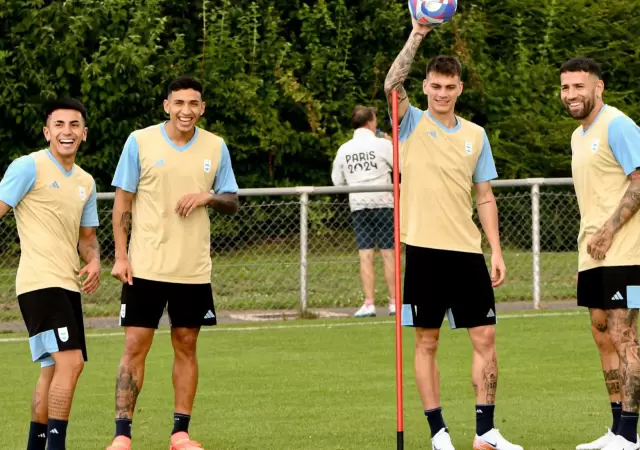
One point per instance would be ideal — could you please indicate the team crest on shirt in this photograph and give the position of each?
(468, 147)
(83, 193)
(63, 334)
(207, 165)
(595, 145)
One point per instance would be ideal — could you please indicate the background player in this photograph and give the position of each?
(54, 202)
(163, 183)
(443, 158)
(605, 162)
(367, 160)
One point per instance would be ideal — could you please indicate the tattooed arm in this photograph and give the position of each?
(90, 252)
(122, 207)
(401, 67)
(601, 241)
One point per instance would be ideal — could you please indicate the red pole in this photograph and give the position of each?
(398, 266)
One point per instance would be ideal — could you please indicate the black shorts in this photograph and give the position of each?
(609, 287)
(53, 317)
(439, 282)
(373, 225)
(188, 305)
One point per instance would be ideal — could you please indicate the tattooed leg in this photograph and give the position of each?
(484, 370)
(608, 355)
(131, 371)
(623, 329)
(68, 367)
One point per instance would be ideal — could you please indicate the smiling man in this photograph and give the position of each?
(54, 202)
(443, 158)
(167, 176)
(605, 160)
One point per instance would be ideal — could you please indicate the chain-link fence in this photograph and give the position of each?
(299, 250)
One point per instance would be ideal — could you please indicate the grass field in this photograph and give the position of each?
(268, 277)
(331, 385)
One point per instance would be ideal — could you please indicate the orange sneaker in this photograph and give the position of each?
(120, 443)
(181, 441)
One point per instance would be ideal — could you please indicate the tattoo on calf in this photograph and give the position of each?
(126, 393)
(490, 379)
(623, 329)
(59, 402)
(612, 379)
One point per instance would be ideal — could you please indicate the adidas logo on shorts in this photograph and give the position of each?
(491, 313)
(209, 315)
(617, 296)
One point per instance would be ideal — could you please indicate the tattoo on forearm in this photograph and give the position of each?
(90, 251)
(401, 67)
(629, 205)
(490, 379)
(127, 391)
(125, 221)
(623, 329)
(59, 402)
(612, 380)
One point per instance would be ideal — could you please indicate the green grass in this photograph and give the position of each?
(331, 385)
(268, 277)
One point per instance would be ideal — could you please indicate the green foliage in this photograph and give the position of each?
(282, 77)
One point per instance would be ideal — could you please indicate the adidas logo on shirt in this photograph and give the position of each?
(55, 185)
(617, 296)
(160, 162)
(209, 315)
(491, 313)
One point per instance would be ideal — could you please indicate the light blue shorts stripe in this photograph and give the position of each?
(42, 346)
(633, 297)
(407, 316)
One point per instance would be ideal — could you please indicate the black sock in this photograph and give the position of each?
(484, 418)
(628, 428)
(57, 434)
(37, 436)
(616, 411)
(180, 423)
(436, 421)
(123, 427)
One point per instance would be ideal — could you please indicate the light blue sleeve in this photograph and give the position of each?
(409, 122)
(18, 180)
(624, 140)
(127, 173)
(225, 180)
(486, 167)
(90, 210)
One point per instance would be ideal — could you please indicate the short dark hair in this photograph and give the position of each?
(581, 64)
(184, 82)
(361, 115)
(445, 65)
(64, 103)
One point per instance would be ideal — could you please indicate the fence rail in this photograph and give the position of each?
(294, 248)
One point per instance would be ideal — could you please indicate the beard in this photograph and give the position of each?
(588, 103)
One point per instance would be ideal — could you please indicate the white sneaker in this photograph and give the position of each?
(599, 443)
(392, 309)
(366, 311)
(442, 441)
(620, 443)
(493, 440)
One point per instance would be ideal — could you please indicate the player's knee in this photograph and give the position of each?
(484, 339)
(184, 343)
(427, 341)
(137, 345)
(71, 366)
(603, 341)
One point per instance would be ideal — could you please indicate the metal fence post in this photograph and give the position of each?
(535, 237)
(304, 229)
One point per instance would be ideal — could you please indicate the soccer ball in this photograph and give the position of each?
(433, 12)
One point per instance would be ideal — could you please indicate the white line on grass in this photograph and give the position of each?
(313, 325)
